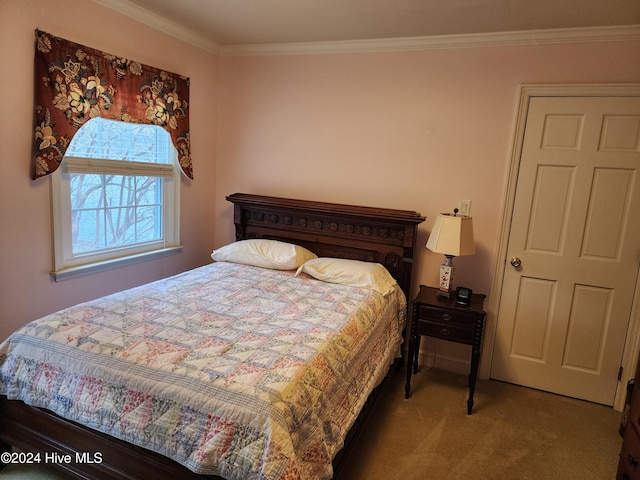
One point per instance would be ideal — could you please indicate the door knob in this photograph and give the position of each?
(516, 262)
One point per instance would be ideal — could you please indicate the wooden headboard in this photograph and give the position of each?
(381, 235)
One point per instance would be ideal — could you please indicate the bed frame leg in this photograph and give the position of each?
(4, 448)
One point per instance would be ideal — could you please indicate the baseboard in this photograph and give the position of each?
(443, 362)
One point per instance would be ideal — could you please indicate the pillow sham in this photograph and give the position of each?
(354, 273)
(264, 253)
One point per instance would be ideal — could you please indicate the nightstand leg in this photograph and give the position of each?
(473, 375)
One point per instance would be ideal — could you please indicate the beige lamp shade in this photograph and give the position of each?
(452, 235)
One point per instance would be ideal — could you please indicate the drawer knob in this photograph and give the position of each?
(446, 317)
(445, 332)
(633, 460)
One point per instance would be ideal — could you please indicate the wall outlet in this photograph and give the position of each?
(464, 207)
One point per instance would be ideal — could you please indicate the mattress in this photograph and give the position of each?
(228, 369)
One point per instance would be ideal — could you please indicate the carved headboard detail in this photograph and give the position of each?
(382, 235)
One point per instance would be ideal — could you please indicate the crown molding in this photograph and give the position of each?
(436, 42)
(442, 42)
(157, 22)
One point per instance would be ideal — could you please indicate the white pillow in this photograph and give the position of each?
(353, 273)
(264, 253)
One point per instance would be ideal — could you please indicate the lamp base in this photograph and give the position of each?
(445, 294)
(445, 289)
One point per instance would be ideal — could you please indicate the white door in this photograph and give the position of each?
(575, 245)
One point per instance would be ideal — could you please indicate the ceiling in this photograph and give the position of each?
(226, 23)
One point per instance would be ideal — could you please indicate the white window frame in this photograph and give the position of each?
(66, 264)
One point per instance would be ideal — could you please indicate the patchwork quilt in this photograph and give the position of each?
(231, 370)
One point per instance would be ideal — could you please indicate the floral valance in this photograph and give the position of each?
(74, 84)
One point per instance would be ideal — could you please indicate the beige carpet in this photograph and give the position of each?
(515, 433)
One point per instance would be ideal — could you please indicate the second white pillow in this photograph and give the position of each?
(354, 273)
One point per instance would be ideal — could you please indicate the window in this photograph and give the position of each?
(115, 198)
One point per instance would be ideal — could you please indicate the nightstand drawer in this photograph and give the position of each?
(446, 316)
(446, 331)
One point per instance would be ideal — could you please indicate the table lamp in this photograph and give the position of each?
(452, 235)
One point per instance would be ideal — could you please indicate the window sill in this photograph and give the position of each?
(73, 272)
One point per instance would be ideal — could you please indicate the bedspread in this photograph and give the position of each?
(231, 370)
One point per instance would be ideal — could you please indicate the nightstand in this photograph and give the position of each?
(442, 318)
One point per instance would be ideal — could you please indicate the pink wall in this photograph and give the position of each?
(410, 130)
(26, 289)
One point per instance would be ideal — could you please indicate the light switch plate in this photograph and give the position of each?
(464, 207)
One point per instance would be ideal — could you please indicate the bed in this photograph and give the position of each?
(152, 425)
